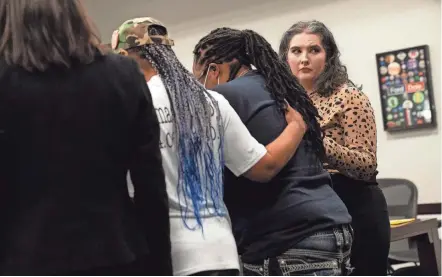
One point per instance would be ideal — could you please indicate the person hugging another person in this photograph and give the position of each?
(200, 134)
(294, 224)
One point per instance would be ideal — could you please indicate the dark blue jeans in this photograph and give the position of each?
(325, 253)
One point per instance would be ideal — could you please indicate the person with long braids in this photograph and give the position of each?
(294, 224)
(200, 134)
(348, 121)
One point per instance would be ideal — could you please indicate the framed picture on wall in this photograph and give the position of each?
(406, 89)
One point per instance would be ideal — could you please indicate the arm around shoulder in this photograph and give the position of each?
(244, 155)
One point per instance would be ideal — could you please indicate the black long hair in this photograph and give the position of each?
(249, 48)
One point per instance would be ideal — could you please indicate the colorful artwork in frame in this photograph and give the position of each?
(406, 90)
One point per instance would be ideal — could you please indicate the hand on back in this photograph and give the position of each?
(294, 117)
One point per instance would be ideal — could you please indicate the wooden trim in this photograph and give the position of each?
(429, 208)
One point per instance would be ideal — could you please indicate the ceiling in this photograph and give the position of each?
(108, 14)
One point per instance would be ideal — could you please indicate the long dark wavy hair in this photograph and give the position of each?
(335, 73)
(248, 48)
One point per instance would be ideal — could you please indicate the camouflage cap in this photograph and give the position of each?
(137, 32)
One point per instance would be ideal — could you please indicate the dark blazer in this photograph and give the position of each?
(67, 141)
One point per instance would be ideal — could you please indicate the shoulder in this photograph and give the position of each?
(229, 93)
(118, 61)
(218, 97)
(355, 105)
(121, 60)
(158, 91)
(245, 91)
(123, 73)
(119, 65)
(350, 96)
(241, 85)
(225, 108)
(229, 88)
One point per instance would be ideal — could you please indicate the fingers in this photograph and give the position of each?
(288, 105)
(288, 108)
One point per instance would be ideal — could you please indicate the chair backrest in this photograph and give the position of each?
(401, 196)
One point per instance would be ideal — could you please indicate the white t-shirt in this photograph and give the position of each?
(192, 250)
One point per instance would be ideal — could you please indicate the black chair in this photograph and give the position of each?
(401, 196)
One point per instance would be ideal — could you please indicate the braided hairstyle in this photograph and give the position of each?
(224, 45)
(200, 163)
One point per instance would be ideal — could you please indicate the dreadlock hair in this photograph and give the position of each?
(200, 163)
(249, 48)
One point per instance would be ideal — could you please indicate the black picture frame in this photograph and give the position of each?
(406, 89)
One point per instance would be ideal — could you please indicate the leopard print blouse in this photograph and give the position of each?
(349, 126)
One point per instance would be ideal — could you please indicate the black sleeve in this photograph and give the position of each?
(146, 170)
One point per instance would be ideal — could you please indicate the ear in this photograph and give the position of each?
(214, 70)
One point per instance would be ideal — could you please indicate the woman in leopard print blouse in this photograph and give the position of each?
(350, 139)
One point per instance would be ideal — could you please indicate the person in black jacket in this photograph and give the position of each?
(73, 121)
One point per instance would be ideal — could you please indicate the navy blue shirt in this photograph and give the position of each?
(269, 218)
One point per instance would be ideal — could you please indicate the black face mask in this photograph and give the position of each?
(234, 69)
